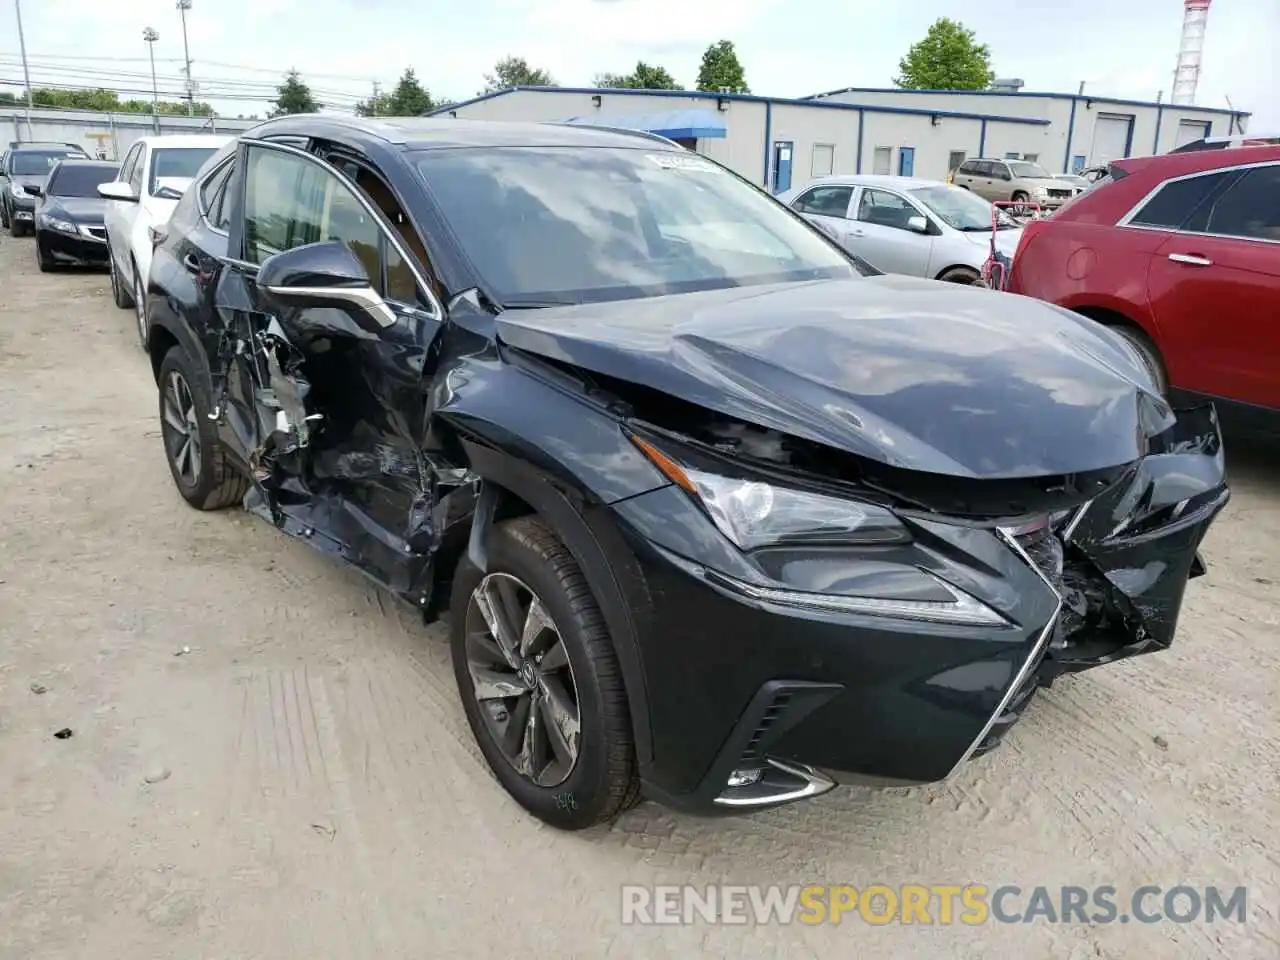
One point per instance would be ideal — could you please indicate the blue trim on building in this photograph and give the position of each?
(768, 142)
(861, 122)
(1020, 93)
(1155, 147)
(1071, 130)
(1128, 140)
(748, 98)
(982, 140)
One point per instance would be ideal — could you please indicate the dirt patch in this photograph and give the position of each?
(322, 796)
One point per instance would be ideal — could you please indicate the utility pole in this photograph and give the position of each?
(26, 75)
(150, 36)
(183, 7)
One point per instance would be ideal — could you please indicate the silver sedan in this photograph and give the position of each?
(923, 228)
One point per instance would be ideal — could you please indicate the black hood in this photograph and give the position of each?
(913, 373)
(88, 210)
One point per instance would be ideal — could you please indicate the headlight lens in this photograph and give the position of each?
(754, 514)
(62, 226)
(15, 188)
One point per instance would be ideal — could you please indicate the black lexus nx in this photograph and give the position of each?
(717, 517)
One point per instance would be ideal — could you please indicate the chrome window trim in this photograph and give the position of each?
(437, 309)
(1126, 220)
(1037, 649)
(199, 187)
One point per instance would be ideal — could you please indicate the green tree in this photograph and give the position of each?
(948, 58)
(721, 70)
(643, 77)
(294, 96)
(379, 105)
(515, 72)
(409, 98)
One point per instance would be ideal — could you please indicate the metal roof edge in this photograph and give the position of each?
(752, 98)
(1033, 93)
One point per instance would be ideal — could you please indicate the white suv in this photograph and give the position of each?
(153, 175)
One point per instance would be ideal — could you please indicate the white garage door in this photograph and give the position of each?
(1189, 130)
(1110, 137)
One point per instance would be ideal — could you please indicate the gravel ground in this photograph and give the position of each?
(323, 797)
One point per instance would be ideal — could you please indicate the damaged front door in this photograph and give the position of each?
(342, 330)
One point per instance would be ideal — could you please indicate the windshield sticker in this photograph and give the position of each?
(676, 161)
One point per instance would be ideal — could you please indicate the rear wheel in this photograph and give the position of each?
(196, 460)
(962, 275)
(1149, 354)
(540, 681)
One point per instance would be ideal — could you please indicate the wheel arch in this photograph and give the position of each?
(1119, 320)
(966, 267)
(511, 488)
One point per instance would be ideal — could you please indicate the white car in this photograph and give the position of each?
(923, 228)
(153, 175)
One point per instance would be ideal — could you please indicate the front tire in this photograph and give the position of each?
(119, 295)
(46, 265)
(1149, 354)
(196, 461)
(4, 215)
(540, 680)
(961, 275)
(139, 299)
(1020, 199)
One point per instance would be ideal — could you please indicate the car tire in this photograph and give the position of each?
(17, 228)
(1023, 198)
(46, 265)
(119, 296)
(962, 275)
(4, 215)
(1149, 353)
(601, 782)
(203, 475)
(139, 300)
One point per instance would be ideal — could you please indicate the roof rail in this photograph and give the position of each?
(623, 130)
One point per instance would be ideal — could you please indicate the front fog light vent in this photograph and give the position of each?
(745, 777)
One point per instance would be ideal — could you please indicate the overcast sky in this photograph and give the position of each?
(1125, 48)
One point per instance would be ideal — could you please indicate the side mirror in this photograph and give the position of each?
(117, 190)
(324, 274)
(917, 224)
(34, 189)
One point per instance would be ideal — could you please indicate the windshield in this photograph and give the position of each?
(176, 163)
(76, 180)
(548, 225)
(960, 209)
(38, 163)
(1031, 171)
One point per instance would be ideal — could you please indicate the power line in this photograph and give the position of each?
(363, 78)
(54, 75)
(175, 94)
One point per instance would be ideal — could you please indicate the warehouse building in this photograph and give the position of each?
(784, 143)
(107, 134)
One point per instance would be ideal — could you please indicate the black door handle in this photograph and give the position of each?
(191, 263)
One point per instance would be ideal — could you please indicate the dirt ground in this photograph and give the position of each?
(324, 797)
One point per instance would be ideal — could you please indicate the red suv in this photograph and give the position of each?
(1181, 254)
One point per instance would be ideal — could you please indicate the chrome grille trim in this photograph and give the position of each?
(1033, 659)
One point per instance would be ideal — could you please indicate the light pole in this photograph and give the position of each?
(183, 7)
(26, 76)
(150, 36)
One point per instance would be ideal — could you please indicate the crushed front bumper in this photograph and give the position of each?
(752, 704)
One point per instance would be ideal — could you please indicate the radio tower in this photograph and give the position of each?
(1191, 51)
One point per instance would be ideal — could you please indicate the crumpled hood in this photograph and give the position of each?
(913, 373)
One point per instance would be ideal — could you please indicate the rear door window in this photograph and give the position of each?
(1176, 201)
(1248, 208)
(826, 201)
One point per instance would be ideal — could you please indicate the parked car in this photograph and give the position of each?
(1181, 255)
(923, 228)
(713, 514)
(1229, 142)
(1018, 181)
(1075, 180)
(69, 227)
(153, 176)
(26, 170)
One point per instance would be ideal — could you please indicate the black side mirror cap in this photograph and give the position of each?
(324, 274)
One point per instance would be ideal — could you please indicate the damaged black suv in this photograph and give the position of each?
(717, 517)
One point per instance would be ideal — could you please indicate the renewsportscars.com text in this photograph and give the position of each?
(943, 904)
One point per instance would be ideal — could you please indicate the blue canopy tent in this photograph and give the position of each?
(672, 124)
